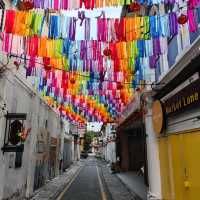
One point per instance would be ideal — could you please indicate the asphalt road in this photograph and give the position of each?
(88, 184)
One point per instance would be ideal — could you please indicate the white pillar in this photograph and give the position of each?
(153, 158)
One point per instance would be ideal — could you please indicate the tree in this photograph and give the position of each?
(88, 137)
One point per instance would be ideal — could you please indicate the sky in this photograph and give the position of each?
(94, 126)
(110, 12)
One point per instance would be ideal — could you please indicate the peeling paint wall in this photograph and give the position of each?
(19, 98)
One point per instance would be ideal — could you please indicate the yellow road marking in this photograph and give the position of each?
(68, 185)
(103, 194)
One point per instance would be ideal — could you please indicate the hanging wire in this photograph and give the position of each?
(86, 76)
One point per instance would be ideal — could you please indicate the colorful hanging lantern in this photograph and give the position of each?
(137, 89)
(72, 80)
(135, 7)
(182, 19)
(47, 67)
(17, 64)
(119, 86)
(46, 62)
(25, 4)
(107, 52)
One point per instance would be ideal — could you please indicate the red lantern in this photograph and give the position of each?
(137, 89)
(135, 6)
(26, 4)
(119, 86)
(182, 19)
(46, 62)
(107, 52)
(17, 64)
(72, 80)
(47, 67)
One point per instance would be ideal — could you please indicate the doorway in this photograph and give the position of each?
(180, 166)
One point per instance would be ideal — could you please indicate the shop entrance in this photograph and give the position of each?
(131, 148)
(180, 166)
(136, 151)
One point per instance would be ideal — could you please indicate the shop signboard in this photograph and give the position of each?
(158, 117)
(186, 98)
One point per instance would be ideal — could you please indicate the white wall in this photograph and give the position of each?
(110, 148)
(20, 98)
(17, 100)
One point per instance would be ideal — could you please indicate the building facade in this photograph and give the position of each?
(107, 142)
(179, 139)
(27, 164)
(172, 120)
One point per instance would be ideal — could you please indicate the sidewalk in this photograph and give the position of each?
(116, 188)
(51, 190)
(135, 183)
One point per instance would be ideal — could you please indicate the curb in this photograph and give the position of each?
(106, 185)
(59, 189)
(134, 196)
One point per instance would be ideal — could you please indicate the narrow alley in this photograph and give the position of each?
(87, 185)
(99, 99)
(88, 179)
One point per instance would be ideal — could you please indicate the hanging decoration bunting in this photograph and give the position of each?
(89, 76)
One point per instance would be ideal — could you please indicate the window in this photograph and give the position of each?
(15, 128)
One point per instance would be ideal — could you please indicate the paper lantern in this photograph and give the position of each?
(47, 67)
(72, 80)
(25, 4)
(46, 62)
(119, 86)
(107, 52)
(17, 64)
(135, 6)
(137, 89)
(182, 19)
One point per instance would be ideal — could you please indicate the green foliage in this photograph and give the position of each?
(88, 139)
